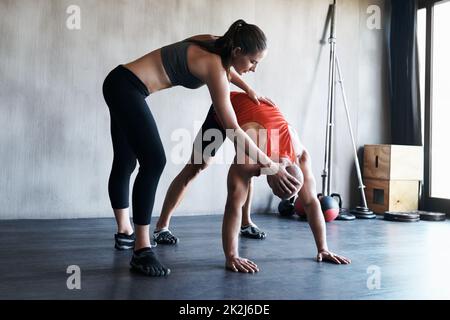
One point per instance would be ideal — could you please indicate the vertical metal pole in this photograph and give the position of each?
(327, 171)
(355, 153)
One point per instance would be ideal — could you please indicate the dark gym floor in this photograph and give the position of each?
(413, 261)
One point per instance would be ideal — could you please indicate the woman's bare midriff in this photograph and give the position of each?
(150, 70)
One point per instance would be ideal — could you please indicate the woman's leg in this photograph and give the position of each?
(124, 163)
(125, 95)
(123, 221)
(143, 135)
(139, 129)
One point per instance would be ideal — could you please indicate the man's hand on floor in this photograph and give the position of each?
(238, 264)
(325, 255)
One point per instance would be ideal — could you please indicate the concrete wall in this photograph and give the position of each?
(55, 148)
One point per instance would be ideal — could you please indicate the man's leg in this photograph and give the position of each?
(248, 228)
(177, 190)
(246, 208)
(199, 161)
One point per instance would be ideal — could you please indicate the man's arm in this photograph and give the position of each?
(314, 213)
(307, 196)
(237, 185)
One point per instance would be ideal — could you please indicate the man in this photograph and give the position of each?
(272, 133)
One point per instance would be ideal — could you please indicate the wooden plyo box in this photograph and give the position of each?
(393, 162)
(392, 195)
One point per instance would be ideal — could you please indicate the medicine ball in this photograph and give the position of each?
(330, 208)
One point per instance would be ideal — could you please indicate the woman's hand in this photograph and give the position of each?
(238, 264)
(325, 255)
(256, 98)
(283, 184)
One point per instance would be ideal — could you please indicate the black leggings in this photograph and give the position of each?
(134, 137)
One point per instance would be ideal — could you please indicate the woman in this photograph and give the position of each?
(191, 63)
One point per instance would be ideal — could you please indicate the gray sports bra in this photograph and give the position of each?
(174, 59)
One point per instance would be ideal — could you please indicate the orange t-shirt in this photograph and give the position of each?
(270, 118)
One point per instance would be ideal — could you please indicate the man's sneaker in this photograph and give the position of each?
(124, 242)
(164, 236)
(252, 232)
